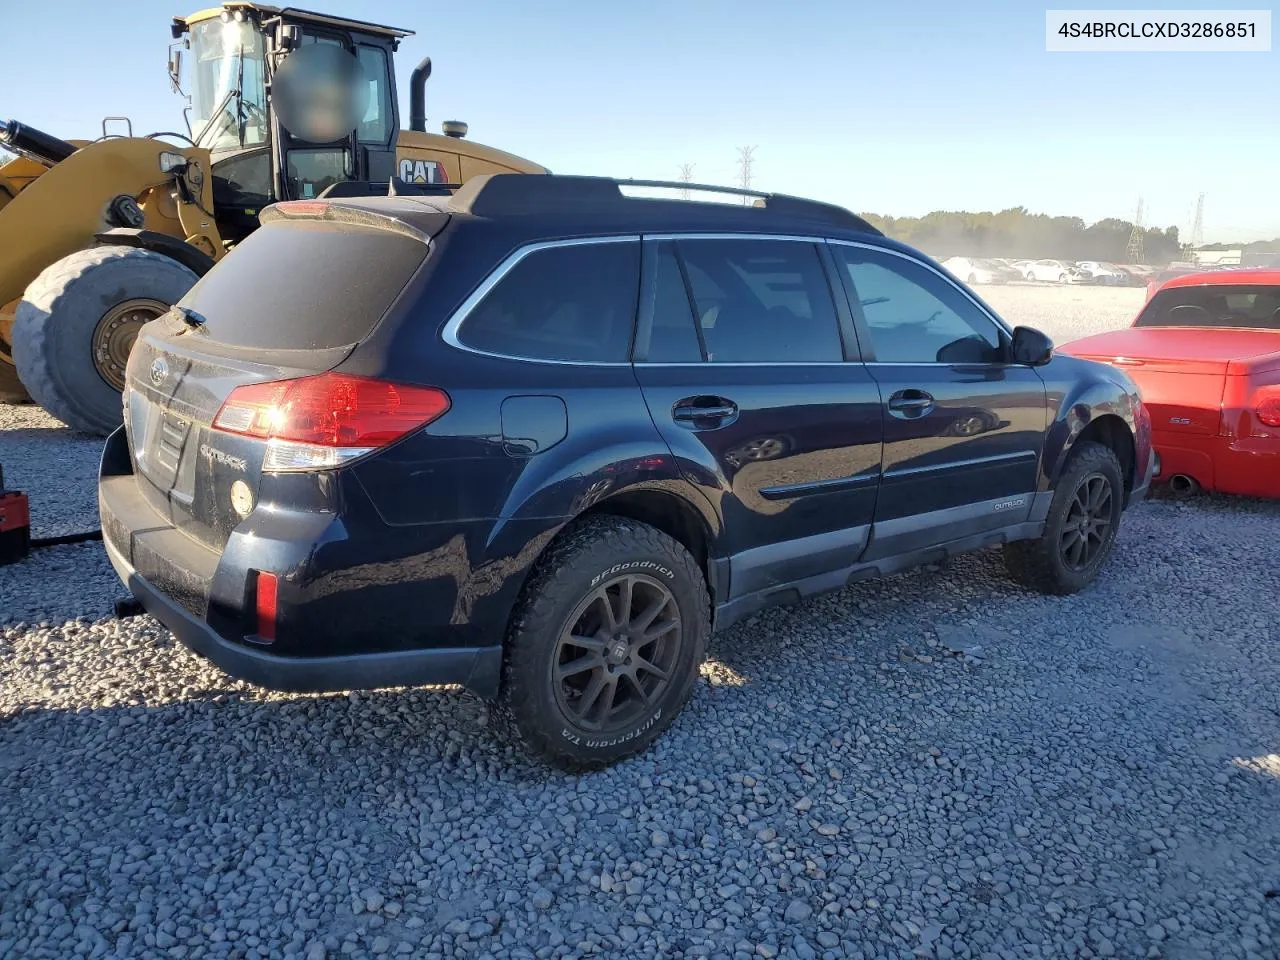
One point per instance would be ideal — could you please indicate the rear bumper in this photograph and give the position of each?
(1244, 466)
(477, 668)
(199, 595)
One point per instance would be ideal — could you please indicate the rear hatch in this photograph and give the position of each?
(1181, 371)
(293, 299)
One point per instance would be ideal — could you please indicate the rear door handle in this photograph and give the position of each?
(911, 402)
(704, 411)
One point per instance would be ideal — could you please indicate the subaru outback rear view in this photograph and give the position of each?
(541, 437)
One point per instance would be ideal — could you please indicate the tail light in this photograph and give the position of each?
(321, 422)
(267, 590)
(1267, 406)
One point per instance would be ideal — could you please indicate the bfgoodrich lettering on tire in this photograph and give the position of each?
(1080, 531)
(605, 644)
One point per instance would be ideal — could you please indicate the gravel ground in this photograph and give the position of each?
(937, 765)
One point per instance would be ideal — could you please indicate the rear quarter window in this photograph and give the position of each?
(304, 284)
(569, 303)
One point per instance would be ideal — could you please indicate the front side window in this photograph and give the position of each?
(228, 90)
(753, 301)
(569, 303)
(914, 315)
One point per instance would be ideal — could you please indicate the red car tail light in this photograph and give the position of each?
(1267, 406)
(267, 589)
(319, 422)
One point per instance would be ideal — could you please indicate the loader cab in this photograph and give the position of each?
(249, 69)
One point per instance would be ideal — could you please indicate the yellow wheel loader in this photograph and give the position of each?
(99, 237)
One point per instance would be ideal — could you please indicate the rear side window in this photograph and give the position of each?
(573, 303)
(758, 301)
(305, 284)
(1214, 305)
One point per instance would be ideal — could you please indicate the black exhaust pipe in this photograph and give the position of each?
(35, 144)
(418, 95)
(1183, 485)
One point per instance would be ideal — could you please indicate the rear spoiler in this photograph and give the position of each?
(325, 208)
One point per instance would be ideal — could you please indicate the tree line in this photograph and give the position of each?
(1017, 233)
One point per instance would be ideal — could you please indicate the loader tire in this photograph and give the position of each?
(11, 388)
(57, 326)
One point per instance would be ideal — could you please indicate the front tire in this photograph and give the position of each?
(76, 325)
(1080, 531)
(605, 645)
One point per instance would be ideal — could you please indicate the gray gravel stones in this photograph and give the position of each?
(1104, 782)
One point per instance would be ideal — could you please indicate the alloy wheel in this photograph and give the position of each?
(1088, 526)
(617, 654)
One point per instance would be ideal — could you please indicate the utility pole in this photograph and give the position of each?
(1134, 250)
(746, 156)
(686, 176)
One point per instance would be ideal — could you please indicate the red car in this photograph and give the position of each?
(1205, 352)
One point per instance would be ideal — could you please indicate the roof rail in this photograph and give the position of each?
(506, 194)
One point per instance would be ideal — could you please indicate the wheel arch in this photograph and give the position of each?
(1111, 431)
(673, 514)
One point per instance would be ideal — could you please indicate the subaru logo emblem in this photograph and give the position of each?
(159, 370)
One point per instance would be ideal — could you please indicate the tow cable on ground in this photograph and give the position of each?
(15, 528)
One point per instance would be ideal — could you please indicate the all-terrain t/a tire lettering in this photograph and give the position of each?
(606, 643)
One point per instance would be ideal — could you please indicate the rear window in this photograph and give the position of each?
(1217, 305)
(305, 284)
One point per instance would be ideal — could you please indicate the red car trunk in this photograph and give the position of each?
(1204, 387)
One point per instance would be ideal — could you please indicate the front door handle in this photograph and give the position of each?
(704, 412)
(911, 403)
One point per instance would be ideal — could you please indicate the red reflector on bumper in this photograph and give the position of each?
(267, 589)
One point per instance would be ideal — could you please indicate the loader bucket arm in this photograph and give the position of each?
(60, 211)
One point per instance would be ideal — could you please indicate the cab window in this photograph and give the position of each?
(375, 127)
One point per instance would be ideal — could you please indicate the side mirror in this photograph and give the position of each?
(288, 37)
(1031, 347)
(175, 69)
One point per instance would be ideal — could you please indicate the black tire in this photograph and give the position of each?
(53, 331)
(1045, 564)
(590, 557)
(11, 388)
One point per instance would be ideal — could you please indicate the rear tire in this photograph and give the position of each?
(562, 622)
(1051, 564)
(56, 325)
(11, 388)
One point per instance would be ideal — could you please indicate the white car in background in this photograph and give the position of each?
(980, 270)
(1100, 271)
(1052, 271)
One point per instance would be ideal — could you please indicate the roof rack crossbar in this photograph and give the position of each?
(521, 193)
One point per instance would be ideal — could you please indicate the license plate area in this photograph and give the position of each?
(159, 438)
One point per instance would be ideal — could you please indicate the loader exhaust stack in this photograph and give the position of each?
(418, 95)
(35, 144)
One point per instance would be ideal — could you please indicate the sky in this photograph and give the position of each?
(892, 108)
